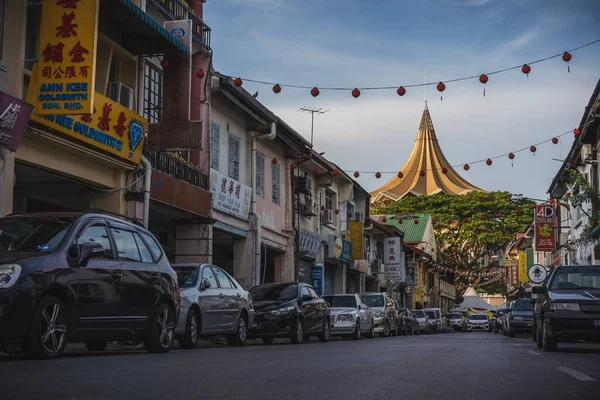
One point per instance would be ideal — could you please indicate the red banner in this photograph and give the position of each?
(544, 227)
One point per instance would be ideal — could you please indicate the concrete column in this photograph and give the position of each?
(243, 261)
(193, 243)
(284, 266)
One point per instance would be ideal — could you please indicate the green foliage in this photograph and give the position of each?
(584, 192)
(466, 228)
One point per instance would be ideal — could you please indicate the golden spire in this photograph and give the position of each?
(426, 159)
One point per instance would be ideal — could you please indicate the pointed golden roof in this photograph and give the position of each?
(426, 158)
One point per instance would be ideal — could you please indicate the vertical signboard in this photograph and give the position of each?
(394, 268)
(317, 278)
(544, 227)
(523, 267)
(67, 57)
(357, 238)
(14, 115)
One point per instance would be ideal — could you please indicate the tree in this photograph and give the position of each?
(467, 227)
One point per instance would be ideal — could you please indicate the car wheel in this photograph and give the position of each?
(357, 333)
(95, 345)
(267, 340)
(297, 335)
(324, 336)
(371, 333)
(239, 337)
(162, 329)
(190, 337)
(48, 334)
(548, 343)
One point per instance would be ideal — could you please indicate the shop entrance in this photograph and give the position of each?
(222, 255)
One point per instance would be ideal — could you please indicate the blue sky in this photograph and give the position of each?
(351, 43)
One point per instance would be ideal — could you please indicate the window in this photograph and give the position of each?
(152, 245)
(152, 93)
(97, 234)
(209, 275)
(233, 166)
(275, 177)
(144, 252)
(223, 279)
(313, 293)
(260, 175)
(32, 35)
(329, 194)
(1, 27)
(304, 291)
(215, 145)
(126, 247)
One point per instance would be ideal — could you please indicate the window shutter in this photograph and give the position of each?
(215, 145)
(233, 168)
(276, 195)
(260, 175)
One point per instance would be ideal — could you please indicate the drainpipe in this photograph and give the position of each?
(258, 239)
(147, 183)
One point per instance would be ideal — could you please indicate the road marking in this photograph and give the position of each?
(534, 353)
(576, 374)
(517, 345)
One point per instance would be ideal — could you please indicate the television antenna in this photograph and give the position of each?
(312, 111)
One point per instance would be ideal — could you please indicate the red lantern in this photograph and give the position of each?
(355, 93)
(554, 140)
(400, 175)
(511, 156)
(467, 219)
(384, 220)
(400, 221)
(293, 166)
(466, 167)
(441, 87)
(164, 63)
(532, 149)
(356, 174)
(274, 161)
(444, 170)
(238, 82)
(422, 173)
(200, 74)
(483, 217)
(315, 170)
(483, 78)
(488, 161)
(401, 91)
(276, 88)
(378, 175)
(526, 69)
(566, 58)
(335, 172)
(337, 211)
(416, 222)
(314, 91)
(322, 208)
(576, 131)
(500, 215)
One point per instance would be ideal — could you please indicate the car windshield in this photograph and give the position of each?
(418, 314)
(479, 317)
(454, 316)
(341, 301)
(523, 306)
(33, 234)
(274, 292)
(431, 314)
(374, 300)
(186, 276)
(580, 277)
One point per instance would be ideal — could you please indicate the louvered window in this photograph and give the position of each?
(275, 176)
(260, 175)
(215, 145)
(233, 167)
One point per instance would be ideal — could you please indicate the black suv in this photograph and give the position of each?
(568, 306)
(83, 276)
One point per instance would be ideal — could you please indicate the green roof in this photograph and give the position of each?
(413, 233)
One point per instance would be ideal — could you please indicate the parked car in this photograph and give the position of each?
(350, 316)
(423, 320)
(505, 317)
(435, 319)
(408, 323)
(385, 315)
(89, 277)
(478, 322)
(457, 321)
(568, 306)
(289, 310)
(212, 303)
(497, 320)
(521, 317)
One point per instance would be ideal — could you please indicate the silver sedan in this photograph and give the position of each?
(350, 316)
(212, 303)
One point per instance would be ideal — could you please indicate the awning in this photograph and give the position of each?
(142, 34)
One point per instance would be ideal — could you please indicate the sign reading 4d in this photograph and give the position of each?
(67, 57)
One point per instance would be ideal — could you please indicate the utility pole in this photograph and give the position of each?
(312, 111)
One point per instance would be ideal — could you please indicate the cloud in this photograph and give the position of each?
(470, 3)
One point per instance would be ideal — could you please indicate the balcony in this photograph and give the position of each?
(176, 10)
(447, 290)
(170, 165)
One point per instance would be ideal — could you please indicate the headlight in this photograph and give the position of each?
(283, 311)
(517, 318)
(379, 314)
(345, 317)
(9, 274)
(565, 307)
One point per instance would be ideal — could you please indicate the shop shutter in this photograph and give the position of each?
(215, 145)
(233, 167)
(260, 175)
(275, 177)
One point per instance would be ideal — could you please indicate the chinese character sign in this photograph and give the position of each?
(14, 115)
(393, 258)
(67, 57)
(544, 227)
(229, 195)
(357, 237)
(523, 277)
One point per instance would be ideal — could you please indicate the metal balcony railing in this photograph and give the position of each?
(447, 289)
(176, 10)
(170, 165)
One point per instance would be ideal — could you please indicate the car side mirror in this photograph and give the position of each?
(205, 284)
(88, 251)
(539, 290)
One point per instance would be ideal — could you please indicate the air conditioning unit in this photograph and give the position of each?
(359, 216)
(215, 82)
(409, 257)
(311, 209)
(327, 217)
(304, 185)
(586, 152)
(121, 93)
(376, 266)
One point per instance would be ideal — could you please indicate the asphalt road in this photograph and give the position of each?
(454, 366)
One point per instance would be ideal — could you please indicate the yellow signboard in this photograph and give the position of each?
(67, 57)
(523, 277)
(357, 238)
(111, 127)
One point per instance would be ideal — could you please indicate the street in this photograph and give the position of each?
(458, 365)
